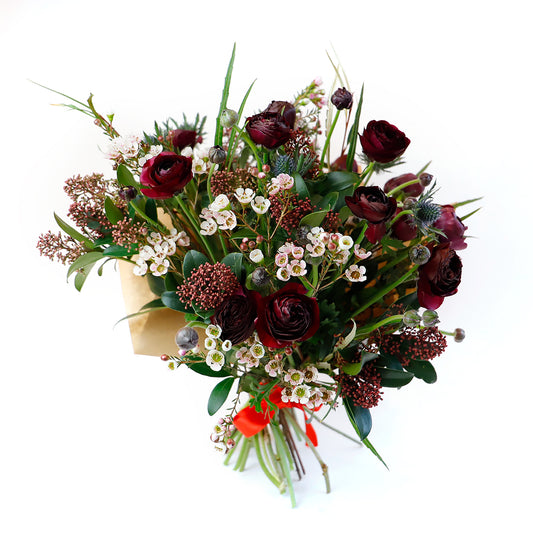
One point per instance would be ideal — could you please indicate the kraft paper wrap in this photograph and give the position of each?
(151, 333)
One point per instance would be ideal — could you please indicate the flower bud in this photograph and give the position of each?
(228, 118)
(411, 318)
(187, 338)
(127, 193)
(217, 155)
(342, 99)
(419, 254)
(430, 318)
(459, 335)
(425, 179)
(409, 202)
(260, 277)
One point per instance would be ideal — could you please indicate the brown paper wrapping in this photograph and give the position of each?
(151, 333)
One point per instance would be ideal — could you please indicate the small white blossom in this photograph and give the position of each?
(183, 239)
(301, 393)
(226, 345)
(159, 268)
(154, 150)
(220, 203)
(297, 252)
(341, 258)
(297, 268)
(310, 373)
(146, 252)
(260, 205)
(140, 268)
(210, 343)
(286, 395)
(294, 377)
(281, 259)
(215, 360)
(345, 242)
(361, 253)
(208, 227)
(285, 181)
(316, 249)
(256, 256)
(125, 146)
(355, 273)
(154, 238)
(273, 368)
(283, 274)
(258, 349)
(227, 220)
(213, 331)
(245, 196)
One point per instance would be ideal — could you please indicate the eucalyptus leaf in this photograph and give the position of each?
(219, 394)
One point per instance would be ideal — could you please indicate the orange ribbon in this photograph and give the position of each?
(250, 422)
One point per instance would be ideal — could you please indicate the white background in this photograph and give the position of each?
(94, 438)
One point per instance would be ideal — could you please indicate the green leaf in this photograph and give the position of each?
(300, 186)
(154, 304)
(205, 370)
(338, 181)
(224, 101)
(118, 251)
(368, 444)
(156, 284)
(360, 418)
(172, 301)
(69, 230)
(151, 209)
(112, 212)
(219, 395)
(352, 369)
(313, 219)
(329, 201)
(193, 259)
(84, 261)
(423, 370)
(394, 378)
(244, 233)
(170, 282)
(234, 261)
(352, 136)
(125, 177)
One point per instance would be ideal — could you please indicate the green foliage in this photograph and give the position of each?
(423, 370)
(219, 395)
(193, 259)
(205, 370)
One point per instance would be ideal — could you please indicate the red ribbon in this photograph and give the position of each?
(250, 422)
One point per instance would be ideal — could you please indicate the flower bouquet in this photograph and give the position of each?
(296, 283)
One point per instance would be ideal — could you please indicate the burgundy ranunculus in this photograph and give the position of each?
(372, 204)
(183, 138)
(342, 99)
(340, 164)
(404, 228)
(451, 225)
(287, 316)
(439, 277)
(285, 109)
(236, 316)
(411, 190)
(383, 142)
(268, 129)
(165, 174)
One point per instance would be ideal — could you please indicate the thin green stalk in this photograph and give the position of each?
(321, 421)
(328, 138)
(194, 224)
(223, 102)
(403, 186)
(232, 451)
(364, 332)
(366, 175)
(267, 472)
(278, 436)
(362, 234)
(312, 447)
(385, 291)
(399, 215)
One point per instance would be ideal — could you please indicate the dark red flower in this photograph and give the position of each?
(287, 316)
(373, 205)
(236, 316)
(342, 99)
(340, 164)
(439, 277)
(411, 190)
(183, 138)
(285, 109)
(404, 228)
(268, 129)
(451, 225)
(165, 174)
(383, 142)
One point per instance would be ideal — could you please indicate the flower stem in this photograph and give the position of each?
(312, 447)
(321, 421)
(364, 332)
(328, 138)
(402, 186)
(385, 291)
(284, 460)
(262, 462)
